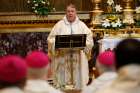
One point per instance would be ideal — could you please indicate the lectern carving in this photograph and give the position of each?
(70, 44)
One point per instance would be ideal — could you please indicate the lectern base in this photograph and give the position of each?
(69, 87)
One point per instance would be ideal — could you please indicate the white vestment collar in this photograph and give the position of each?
(67, 22)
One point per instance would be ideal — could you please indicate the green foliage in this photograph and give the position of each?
(137, 23)
(41, 7)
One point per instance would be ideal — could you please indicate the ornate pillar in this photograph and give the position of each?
(128, 12)
(96, 13)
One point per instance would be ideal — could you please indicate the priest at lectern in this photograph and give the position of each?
(70, 66)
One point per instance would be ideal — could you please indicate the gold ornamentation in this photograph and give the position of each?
(128, 12)
(95, 14)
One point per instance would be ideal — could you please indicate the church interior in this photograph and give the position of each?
(24, 28)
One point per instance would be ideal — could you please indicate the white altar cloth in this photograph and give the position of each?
(110, 43)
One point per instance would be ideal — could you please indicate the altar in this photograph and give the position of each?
(109, 43)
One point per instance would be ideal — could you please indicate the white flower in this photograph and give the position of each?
(110, 2)
(118, 8)
(114, 25)
(43, 2)
(48, 3)
(38, 5)
(137, 9)
(35, 4)
(54, 9)
(33, 7)
(28, 1)
(111, 23)
(106, 23)
(35, 11)
(34, 1)
(119, 23)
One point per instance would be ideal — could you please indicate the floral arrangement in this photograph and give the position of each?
(137, 9)
(41, 7)
(112, 8)
(112, 20)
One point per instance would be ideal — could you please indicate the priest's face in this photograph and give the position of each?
(71, 14)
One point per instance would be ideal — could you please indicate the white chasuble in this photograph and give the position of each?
(70, 66)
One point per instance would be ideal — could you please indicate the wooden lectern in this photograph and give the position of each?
(74, 42)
